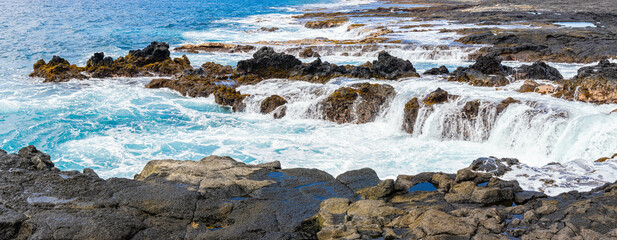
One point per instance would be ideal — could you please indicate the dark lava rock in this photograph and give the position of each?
(155, 52)
(538, 70)
(437, 71)
(389, 67)
(491, 65)
(359, 179)
(57, 70)
(215, 198)
(269, 64)
(318, 72)
(271, 104)
(487, 71)
(358, 103)
(227, 96)
(220, 198)
(496, 166)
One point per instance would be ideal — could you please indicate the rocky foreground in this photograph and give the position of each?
(220, 198)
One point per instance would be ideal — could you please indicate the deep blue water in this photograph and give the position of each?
(74, 29)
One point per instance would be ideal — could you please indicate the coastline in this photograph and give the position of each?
(221, 198)
(503, 78)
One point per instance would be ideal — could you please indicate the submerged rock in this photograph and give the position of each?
(215, 47)
(437, 71)
(227, 96)
(273, 103)
(358, 103)
(326, 23)
(308, 53)
(57, 70)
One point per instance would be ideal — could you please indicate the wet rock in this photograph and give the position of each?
(410, 115)
(596, 84)
(359, 179)
(496, 166)
(437, 71)
(487, 71)
(529, 86)
(193, 86)
(382, 190)
(227, 96)
(326, 23)
(538, 70)
(216, 47)
(268, 29)
(215, 70)
(358, 103)
(271, 103)
(221, 198)
(436, 97)
(155, 52)
(308, 53)
(554, 45)
(57, 70)
(28, 158)
(532, 86)
(390, 67)
(269, 64)
(318, 72)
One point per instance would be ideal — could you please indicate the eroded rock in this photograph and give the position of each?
(358, 103)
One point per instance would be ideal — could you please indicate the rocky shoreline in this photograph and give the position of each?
(218, 197)
(221, 198)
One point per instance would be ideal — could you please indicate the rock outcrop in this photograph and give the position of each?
(596, 84)
(538, 70)
(220, 198)
(358, 103)
(437, 71)
(487, 71)
(470, 120)
(214, 198)
(153, 60)
(274, 103)
(57, 70)
(385, 67)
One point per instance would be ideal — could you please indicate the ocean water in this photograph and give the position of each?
(116, 125)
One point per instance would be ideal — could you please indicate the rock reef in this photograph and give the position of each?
(220, 198)
(153, 60)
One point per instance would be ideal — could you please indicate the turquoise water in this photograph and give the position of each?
(116, 126)
(54, 116)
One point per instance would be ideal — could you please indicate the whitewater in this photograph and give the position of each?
(115, 126)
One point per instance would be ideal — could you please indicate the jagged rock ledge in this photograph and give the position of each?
(220, 198)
